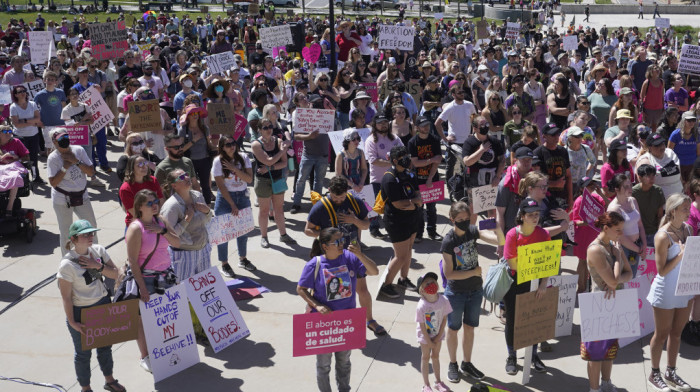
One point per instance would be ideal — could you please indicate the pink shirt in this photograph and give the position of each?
(607, 173)
(694, 219)
(160, 261)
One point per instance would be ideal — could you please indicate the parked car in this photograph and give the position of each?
(290, 3)
(371, 4)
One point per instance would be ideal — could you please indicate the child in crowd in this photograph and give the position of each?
(431, 315)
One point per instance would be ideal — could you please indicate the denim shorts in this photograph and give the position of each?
(466, 308)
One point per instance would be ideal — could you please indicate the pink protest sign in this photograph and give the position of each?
(435, 193)
(78, 135)
(371, 89)
(311, 53)
(590, 208)
(276, 50)
(316, 333)
(241, 123)
(298, 147)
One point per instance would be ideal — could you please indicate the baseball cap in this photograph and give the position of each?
(618, 145)
(529, 205)
(551, 129)
(575, 131)
(421, 120)
(81, 226)
(428, 275)
(655, 140)
(524, 152)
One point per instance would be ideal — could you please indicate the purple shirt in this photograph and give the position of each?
(335, 282)
(677, 97)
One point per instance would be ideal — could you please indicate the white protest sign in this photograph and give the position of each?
(484, 198)
(567, 299)
(615, 317)
(41, 46)
(224, 228)
(307, 120)
(272, 37)
(101, 113)
(662, 23)
(337, 138)
(144, 50)
(217, 311)
(221, 62)
(689, 61)
(438, 15)
(512, 30)
(33, 88)
(167, 324)
(642, 283)
(5, 96)
(396, 37)
(367, 195)
(570, 42)
(689, 274)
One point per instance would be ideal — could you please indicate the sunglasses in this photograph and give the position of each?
(142, 164)
(514, 113)
(7, 131)
(138, 143)
(323, 80)
(178, 147)
(182, 177)
(356, 139)
(339, 242)
(230, 144)
(87, 235)
(152, 203)
(585, 103)
(21, 92)
(267, 127)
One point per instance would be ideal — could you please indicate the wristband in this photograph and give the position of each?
(101, 268)
(63, 169)
(164, 231)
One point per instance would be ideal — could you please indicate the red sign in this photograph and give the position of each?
(436, 192)
(340, 330)
(591, 208)
(371, 90)
(79, 135)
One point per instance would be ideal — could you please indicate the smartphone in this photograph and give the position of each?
(487, 224)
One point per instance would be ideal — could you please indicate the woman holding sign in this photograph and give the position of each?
(609, 269)
(671, 311)
(80, 282)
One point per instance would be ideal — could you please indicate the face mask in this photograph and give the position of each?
(462, 225)
(219, 89)
(431, 288)
(405, 162)
(484, 130)
(187, 83)
(63, 142)
(137, 149)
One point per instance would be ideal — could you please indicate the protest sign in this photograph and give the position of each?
(662, 23)
(371, 90)
(217, 311)
(512, 30)
(316, 333)
(109, 324)
(567, 285)
(253, 9)
(144, 116)
(241, 123)
(591, 208)
(274, 36)
(689, 62)
(438, 15)
(309, 119)
(642, 283)
(276, 50)
(221, 62)
(570, 42)
(368, 197)
(41, 46)
(414, 88)
(535, 318)
(108, 40)
(482, 29)
(33, 88)
(144, 50)
(396, 37)
(5, 96)
(170, 338)
(571, 232)
(689, 274)
(336, 138)
(539, 260)
(101, 113)
(79, 135)
(57, 37)
(311, 53)
(221, 118)
(435, 193)
(647, 264)
(224, 228)
(615, 317)
(484, 198)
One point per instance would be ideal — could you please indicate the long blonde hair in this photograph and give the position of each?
(530, 180)
(672, 203)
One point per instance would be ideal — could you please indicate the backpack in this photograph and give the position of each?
(331, 211)
(380, 200)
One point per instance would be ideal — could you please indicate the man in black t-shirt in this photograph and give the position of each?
(129, 68)
(554, 161)
(426, 155)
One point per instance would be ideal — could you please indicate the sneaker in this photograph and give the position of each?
(538, 365)
(453, 372)
(287, 239)
(376, 233)
(38, 181)
(435, 236)
(441, 387)
(264, 243)
(146, 364)
(468, 369)
(227, 270)
(607, 386)
(511, 367)
(106, 169)
(407, 284)
(657, 383)
(675, 382)
(427, 388)
(95, 183)
(295, 208)
(247, 265)
(388, 291)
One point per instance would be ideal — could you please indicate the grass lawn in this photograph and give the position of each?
(603, 1)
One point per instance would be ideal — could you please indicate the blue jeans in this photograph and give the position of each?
(319, 166)
(99, 150)
(342, 371)
(344, 120)
(466, 308)
(221, 207)
(81, 359)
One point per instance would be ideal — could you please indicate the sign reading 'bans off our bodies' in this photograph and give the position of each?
(396, 37)
(307, 120)
(615, 317)
(689, 62)
(108, 40)
(316, 333)
(540, 260)
(110, 324)
(144, 116)
(535, 318)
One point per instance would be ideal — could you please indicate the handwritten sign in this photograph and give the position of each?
(41, 46)
(567, 285)
(435, 193)
(396, 37)
(414, 88)
(110, 324)
(170, 338)
(336, 138)
(316, 333)
(535, 318)
(642, 283)
(221, 118)
(540, 260)
(144, 116)
(371, 90)
(253, 9)
(79, 135)
(484, 198)
(224, 228)
(217, 311)
(221, 62)
(311, 53)
(5, 96)
(689, 274)
(570, 42)
(108, 40)
(368, 197)
(482, 29)
(274, 36)
(309, 119)
(101, 113)
(591, 208)
(33, 88)
(512, 30)
(611, 318)
(144, 50)
(662, 23)
(689, 62)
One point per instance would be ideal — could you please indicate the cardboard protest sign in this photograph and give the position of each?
(316, 333)
(110, 324)
(275, 36)
(253, 9)
(642, 283)
(689, 274)
(170, 338)
(221, 62)
(567, 285)
(33, 88)
(224, 228)
(591, 208)
(484, 198)
(101, 113)
(414, 88)
(108, 40)
(662, 23)
(689, 61)
(535, 318)
(512, 30)
(336, 138)
(41, 46)
(433, 194)
(368, 197)
(79, 135)
(217, 311)
(371, 90)
(482, 29)
(616, 317)
(396, 37)
(311, 53)
(221, 118)
(570, 42)
(539, 260)
(307, 120)
(144, 116)
(5, 95)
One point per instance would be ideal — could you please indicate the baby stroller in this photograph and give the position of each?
(456, 185)
(23, 220)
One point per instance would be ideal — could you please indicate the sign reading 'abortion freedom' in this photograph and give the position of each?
(396, 37)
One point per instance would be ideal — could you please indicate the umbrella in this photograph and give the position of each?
(147, 14)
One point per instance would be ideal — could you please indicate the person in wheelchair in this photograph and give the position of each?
(12, 173)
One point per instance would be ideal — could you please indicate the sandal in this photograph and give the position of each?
(112, 386)
(378, 330)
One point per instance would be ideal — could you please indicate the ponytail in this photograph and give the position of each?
(610, 218)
